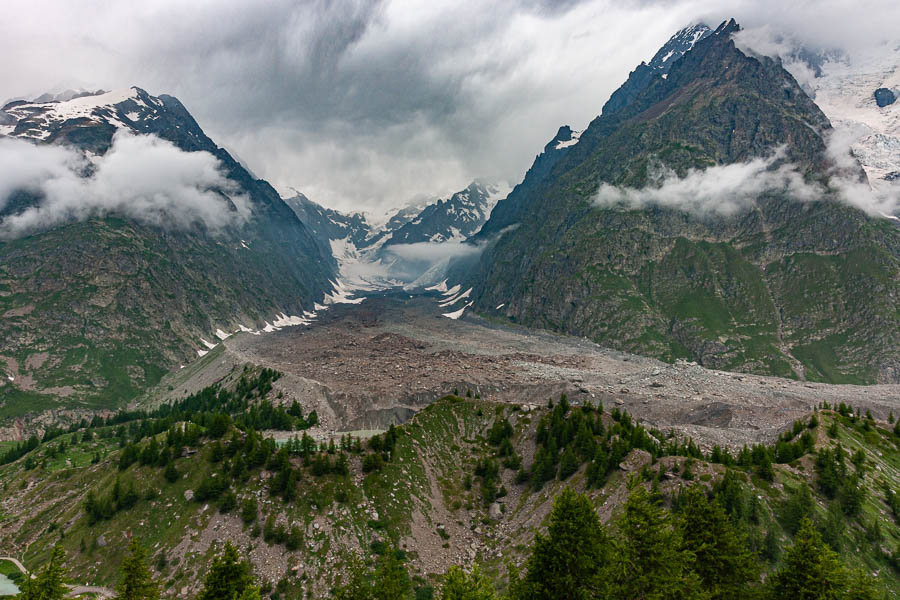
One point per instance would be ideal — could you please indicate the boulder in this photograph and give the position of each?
(885, 97)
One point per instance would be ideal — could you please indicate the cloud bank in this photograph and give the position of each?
(721, 190)
(728, 190)
(363, 104)
(140, 177)
(432, 251)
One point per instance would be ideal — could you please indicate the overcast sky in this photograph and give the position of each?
(364, 105)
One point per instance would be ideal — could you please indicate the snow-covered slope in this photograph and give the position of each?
(677, 46)
(127, 108)
(845, 91)
(365, 247)
(453, 219)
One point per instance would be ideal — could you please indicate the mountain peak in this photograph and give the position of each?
(683, 41)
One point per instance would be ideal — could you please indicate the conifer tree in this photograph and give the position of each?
(48, 584)
(391, 578)
(649, 561)
(721, 558)
(812, 571)
(567, 561)
(136, 583)
(171, 473)
(358, 585)
(229, 578)
(459, 585)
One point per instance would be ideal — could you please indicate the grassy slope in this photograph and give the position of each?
(422, 492)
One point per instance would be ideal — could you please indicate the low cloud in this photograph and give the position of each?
(727, 190)
(432, 252)
(140, 177)
(722, 190)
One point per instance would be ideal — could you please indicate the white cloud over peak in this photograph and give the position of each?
(141, 177)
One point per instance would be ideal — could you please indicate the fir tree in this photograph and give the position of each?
(649, 560)
(359, 583)
(568, 464)
(391, 579)
(228, 577)
(48, 584)
(171, 473)
(812, 571)
(136, 582)
(567, 561)
(721, 558)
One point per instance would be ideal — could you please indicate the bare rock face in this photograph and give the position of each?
(884, 97)
(636, 460)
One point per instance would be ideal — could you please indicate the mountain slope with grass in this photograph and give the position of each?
(97, 307)
(760, 284)
(465, 481)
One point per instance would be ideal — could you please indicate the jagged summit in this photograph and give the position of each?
(677, 46)
(89, 122)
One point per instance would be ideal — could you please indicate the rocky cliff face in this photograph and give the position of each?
(767, 289)
(96, 310)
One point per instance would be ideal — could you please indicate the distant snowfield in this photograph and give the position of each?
(845, 93)
(98, 108)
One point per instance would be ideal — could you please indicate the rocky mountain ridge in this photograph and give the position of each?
(96, 309)
(762, 290)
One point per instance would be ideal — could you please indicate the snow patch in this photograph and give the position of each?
(456, 299)
(341, 295)
(222, 335)
(208, 345)
(458, 313)
(439, 287)
(576, 135)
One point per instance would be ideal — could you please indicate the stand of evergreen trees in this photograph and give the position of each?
(649, 552)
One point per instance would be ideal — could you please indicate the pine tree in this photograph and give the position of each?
(48, 584)
(568, 464)
(136, 583)
(649, 561)
(812, 571)
(459, 585)
(764, 470)
(721, 559)
(567, 561)
(228, 577)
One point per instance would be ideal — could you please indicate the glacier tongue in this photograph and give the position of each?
(845, 93)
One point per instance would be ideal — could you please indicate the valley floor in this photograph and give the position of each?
(368, 365)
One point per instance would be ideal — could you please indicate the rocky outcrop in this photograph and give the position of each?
(884, 97)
